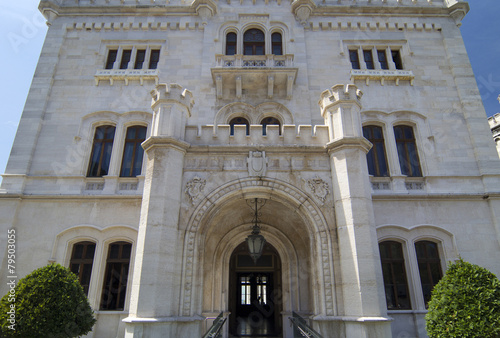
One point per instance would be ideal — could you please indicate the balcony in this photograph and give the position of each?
(382, 75)
(234, 74)
(126, 75)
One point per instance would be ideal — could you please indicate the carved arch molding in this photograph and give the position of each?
(314, 220)
(254, 114)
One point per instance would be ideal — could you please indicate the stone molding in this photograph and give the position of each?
(164, 142)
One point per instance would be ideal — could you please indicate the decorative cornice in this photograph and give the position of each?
(349, 142)
(165, 142)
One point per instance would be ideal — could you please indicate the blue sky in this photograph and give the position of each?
(23, 29)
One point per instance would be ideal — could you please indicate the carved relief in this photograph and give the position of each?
(319, 188)
(194, 188)
(257, 163)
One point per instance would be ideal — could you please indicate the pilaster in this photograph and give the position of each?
(361, 272)
(155, 294)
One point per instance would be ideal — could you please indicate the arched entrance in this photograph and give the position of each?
(255, 293)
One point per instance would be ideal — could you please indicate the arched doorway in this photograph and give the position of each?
(255, 293)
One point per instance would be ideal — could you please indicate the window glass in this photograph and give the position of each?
(367, 54)
(407, 151)
(82, 259)
(376, 157)
(139, 59)
(133, 152)
(396, 57)
(127, 53)
(254, 42)
(394, 273)
(353, 56)
(154, 58)
(231, 43)
(429, 267)
(116, 276)
(269, 121)
(239, 121)
(382, 58)
(110, 61)
(277, 46)
(101, 151)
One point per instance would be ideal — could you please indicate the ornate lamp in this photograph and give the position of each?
(255, 240)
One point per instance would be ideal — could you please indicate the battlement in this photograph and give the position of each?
(172, 92)
(291, 135)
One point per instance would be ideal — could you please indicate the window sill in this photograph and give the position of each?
(397, 184)
(126, 75)
(382, 75)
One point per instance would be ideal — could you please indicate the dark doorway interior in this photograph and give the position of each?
(255, 294)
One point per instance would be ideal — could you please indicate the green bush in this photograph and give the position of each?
(465, 303)
(49, 302)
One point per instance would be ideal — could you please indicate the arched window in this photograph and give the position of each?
(133, 152)
(231, 43)
(407, 151)
(277, 45)
(101, 151)
(254, 42)
(376, 157)
(239, 121)
(269, 121)
(394, 272)
(429, 267)
(114, 287)
(82, 259)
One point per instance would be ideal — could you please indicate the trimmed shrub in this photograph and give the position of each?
(465, 303)
(49, 302)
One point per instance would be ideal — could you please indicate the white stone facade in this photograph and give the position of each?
(185, 213)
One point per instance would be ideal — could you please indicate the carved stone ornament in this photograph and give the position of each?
(319, 188)
(257, 163)
(194, 188)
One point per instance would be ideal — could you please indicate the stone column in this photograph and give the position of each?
(156, 284)
(365, 313)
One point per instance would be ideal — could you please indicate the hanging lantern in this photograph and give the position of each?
(255, 240)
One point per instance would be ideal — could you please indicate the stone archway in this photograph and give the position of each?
(299, 234)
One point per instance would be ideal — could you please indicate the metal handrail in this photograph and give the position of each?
(214, 331)
(301, 326)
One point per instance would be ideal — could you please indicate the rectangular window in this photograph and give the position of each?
(376, 157)
(382, 59)
(429, 267)
(367, 54)
(110, 61)
(101, 151)
(126, 55)
(353, 56)
(116, 276)
(82, 259)
(407, 151)
(394, 273)
(154, 58)
(396, 57)
(133, 151)
(245, 288)
(139, 58)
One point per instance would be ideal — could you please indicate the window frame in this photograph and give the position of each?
(137, 143)
(427, 261)
(231, 43)
(83, 261)
(232, 124)
(99, 172)
(407, 160)
(124, 286)
(375, 154)
(254, 44)
(392, 261)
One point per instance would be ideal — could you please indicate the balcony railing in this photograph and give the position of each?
(214, 331)
(254, 61)
(125, 75)
(301, 328)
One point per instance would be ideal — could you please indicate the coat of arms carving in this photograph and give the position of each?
(257, 163)
(194, 188)
(319, 188)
